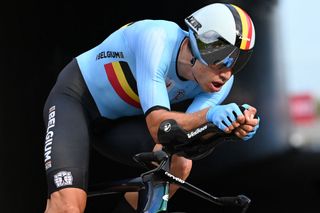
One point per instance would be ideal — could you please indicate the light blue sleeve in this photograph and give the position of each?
(152, 56)
(204, 100)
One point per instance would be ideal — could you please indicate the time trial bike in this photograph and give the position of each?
(153, 184)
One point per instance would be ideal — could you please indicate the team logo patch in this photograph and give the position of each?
(179, 94)
(63, 178)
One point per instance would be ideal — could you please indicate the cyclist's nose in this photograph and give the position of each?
(225, 74)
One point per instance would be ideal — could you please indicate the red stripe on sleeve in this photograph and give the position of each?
(117, 87)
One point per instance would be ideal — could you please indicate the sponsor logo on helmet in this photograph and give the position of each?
(109, 54)
(197, 131)
(49, 137)
(63, 178)
(244, 38)
(194, 22)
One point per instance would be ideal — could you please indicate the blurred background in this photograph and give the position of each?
(278, 169)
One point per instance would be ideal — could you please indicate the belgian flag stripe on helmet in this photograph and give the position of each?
(243, 26)
(237, 19)
(246, 29)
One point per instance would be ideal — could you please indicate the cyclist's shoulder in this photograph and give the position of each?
(152, 27)
(154, 23)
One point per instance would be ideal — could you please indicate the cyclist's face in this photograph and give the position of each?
(211, 78)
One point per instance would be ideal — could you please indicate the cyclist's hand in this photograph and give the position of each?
(248, 129)
(226, 117)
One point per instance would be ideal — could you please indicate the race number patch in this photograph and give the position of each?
(63, 178)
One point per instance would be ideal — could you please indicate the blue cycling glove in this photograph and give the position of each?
(223, 115)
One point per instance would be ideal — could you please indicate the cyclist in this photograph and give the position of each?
(144, 68)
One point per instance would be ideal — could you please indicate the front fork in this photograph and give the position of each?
(154, 197)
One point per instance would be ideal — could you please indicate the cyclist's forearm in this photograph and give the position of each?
(185, 120)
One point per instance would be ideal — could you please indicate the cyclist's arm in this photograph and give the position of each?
(185, 120)
(195, 115)
(152, 62)
(152, 67)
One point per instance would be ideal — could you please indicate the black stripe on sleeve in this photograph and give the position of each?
(155, 108)
(129, 76)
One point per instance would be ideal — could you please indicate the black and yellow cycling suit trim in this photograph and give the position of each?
(123, 82)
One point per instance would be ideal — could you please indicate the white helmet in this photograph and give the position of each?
(221, 33)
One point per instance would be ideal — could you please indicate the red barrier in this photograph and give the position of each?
(302, 108)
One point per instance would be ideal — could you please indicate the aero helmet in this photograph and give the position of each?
(221, 33)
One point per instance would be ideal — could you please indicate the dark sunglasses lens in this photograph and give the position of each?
(215, 55)
(242, 60)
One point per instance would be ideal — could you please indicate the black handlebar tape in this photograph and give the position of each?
(157, 156)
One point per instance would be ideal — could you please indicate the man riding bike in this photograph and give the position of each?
(142, 69)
